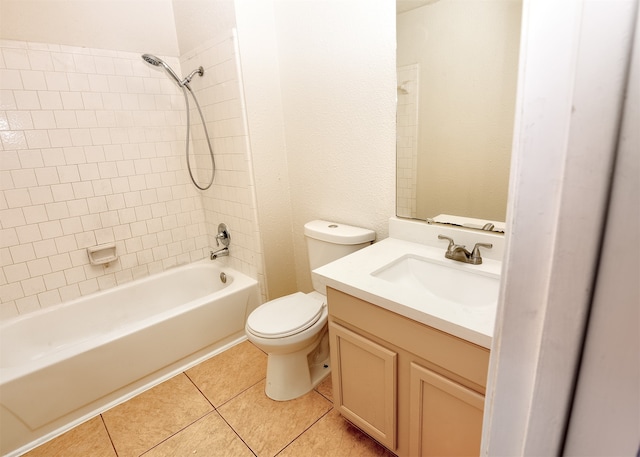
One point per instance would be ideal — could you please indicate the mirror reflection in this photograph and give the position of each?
(457, 73)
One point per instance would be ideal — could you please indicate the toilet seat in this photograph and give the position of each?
(285, 316)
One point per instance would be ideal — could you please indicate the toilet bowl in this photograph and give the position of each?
(293, 330)
(297, 345)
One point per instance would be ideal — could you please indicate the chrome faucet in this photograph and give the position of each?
(219, 253)
(223, 237)
(459, 252)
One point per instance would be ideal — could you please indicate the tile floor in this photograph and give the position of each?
(217, 408)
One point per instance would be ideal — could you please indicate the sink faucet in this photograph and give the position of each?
(459, 252)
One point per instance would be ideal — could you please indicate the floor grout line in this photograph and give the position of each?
(113, 445)
(180, 431)
(305, 430)
(238, 435)
(215, 409)
(201, 392)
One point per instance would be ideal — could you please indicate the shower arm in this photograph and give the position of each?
(198, 71)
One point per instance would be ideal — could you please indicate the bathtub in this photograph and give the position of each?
(64, 364)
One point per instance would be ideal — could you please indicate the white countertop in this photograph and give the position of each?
(352, 275)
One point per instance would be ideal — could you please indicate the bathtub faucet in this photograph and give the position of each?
(219, 253)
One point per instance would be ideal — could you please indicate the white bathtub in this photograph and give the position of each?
(64, 364)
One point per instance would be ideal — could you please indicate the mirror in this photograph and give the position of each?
(457, 73)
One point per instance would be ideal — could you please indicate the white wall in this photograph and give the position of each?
(320, 87)
(261, 80)
(338, 82)
(133, 25)
(197, 21)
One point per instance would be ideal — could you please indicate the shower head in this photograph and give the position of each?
(153, 60)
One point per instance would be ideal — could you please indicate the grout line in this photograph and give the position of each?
(229, 399)
(215, 409)
(237, 434)
(304, 431)
(109, 435)
(240, 393)
(180, 431)
(323, 395)
(201, 392)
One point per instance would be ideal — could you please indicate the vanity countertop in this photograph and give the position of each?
(353, 275)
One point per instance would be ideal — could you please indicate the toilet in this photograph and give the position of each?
(293, 330)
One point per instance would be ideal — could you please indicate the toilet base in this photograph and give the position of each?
(294, 374)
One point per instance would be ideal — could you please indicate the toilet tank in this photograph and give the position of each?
(328, 241)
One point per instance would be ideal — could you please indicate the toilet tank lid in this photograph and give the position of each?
(334, 232)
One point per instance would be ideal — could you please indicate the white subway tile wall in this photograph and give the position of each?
(231, 198)
(92, 151)
(407, 139)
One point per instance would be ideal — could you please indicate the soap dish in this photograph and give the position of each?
(101, 254)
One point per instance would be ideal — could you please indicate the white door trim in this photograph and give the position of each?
(573, 67)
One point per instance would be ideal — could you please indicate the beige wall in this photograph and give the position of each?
(320, 84)
(261, 80)
(467, 52)
(337, 67)
(131, 25)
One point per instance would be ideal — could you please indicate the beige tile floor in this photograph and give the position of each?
(217, 408)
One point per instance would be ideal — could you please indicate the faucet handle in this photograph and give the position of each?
(223, 236)
(476, 258)
(451, 242)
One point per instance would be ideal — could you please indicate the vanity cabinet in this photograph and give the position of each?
(366, 371)
(415, 389)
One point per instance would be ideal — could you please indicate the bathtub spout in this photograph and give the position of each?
(219, 253)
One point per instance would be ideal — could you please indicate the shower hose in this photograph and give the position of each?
(206, 135)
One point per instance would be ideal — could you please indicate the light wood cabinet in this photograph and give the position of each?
(445, 417)
(416, 390)
(359, 359)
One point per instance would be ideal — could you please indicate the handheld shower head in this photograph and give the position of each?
(153, 60)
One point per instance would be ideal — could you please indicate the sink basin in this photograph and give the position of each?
(458, 284)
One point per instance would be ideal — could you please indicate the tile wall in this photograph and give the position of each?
(231, 198)
(93, 152)
(407, 140)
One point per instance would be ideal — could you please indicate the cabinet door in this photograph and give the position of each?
(445, 417)
(364, 383)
